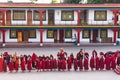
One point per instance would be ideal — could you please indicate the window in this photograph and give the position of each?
(50, 34)
(36, 16)
(19, 15)
(118, 34)
(100, 15)
(86, 34)
(0, 16)
(103, 33)
(13, 34)
(32, 33)
(68, 33)
(67, 16)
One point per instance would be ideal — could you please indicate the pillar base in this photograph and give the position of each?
(41, 44)
(78, 44)
(3, 44)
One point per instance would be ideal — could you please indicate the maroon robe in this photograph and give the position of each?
(63, 64)
(4, 66)
(38, 65)
(107, 63)
(75, 64)
(69, 63)
(11, 66)
(86, 64)
(81, 64)
(118, 60)
(51, 64)
(113, 62)
(101, 63)
(43, 64)
(29, 65)
(55, 64)
(59, 64)
(97, 62)
(62, 56)
(16, 65)
(23, 65)
(92, 65)
(72, 57)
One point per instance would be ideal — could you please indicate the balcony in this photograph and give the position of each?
(61, 23)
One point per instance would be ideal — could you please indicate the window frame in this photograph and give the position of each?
(119, 34)
(39, 16)
(64, 11)
(34, 33)
(95, 14)
(51, 33)
(19, 11)
(70, 34)
(83, 33)
(101, 33)
(15, 34)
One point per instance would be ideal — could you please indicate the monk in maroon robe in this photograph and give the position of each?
(97, 62)
(72, 57)
(33, 60)
(86, 60)
(43, 64)
(69, 63)
(113, 62)
(55, 64)
(107, 62)
(101, 61)
(63, 64)
(23, 65)
(4, 66)
(38, 64)
(11, 66)
(29, 64)
(59, 64)
(92, 65)
(16, 65)
(75, 64)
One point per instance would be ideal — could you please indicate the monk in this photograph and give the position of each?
(101, 61)
(23, 65)
(97, 62)
(107, 62)
(55, 64)
(75, 64)
(38, 64)
(72, 57)
(11, 66)
(86, 60)
(113, 62)
(1, 63)
(43, 64)
(92, 65)
(4, 65)
(33, 60)
(17, 65)
(69, 63)
(59, 64)
(29, 64)
(63, 64)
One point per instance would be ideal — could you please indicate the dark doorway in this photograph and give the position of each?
(25, 35)
(61, 36)
(95, 35)
(55, 36)
(51, 17)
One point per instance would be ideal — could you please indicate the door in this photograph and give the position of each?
(29, 17)
(95, 35)
(8, 17)
(25, 36)
(61, 36)
(51, 17)
(19, 36)
(55, 36)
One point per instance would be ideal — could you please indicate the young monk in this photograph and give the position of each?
(38, 64)
(113, 62)
(101, 61)
(11, 66)
(4, 65)
(43, 64)
(23, 65)
(86, 60)
(17, 65)
(55, 64)
(69, 63)
(75, 64)
(97, 62)
(92, 65)
(29, 64)
(107, 62)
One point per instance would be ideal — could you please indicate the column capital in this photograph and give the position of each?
(115, 30)
(41, 11)
(79, 11)
(115, 11)
(78, 30)
(41, 30)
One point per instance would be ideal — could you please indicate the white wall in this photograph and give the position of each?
(0, 36)
(92, 21)
(58, 19)
(45, 39)
(7, 37)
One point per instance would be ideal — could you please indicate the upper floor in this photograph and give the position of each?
(14, 14)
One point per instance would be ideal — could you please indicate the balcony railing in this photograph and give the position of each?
(61, 23)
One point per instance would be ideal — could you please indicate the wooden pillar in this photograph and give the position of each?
(3, 17)
(3, 36)
(41, 36)
(115, 12)
(78, 35)
(41, 12)
(79, 17)
(114, 35)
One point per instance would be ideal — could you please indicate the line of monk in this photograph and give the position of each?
(107, 61)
